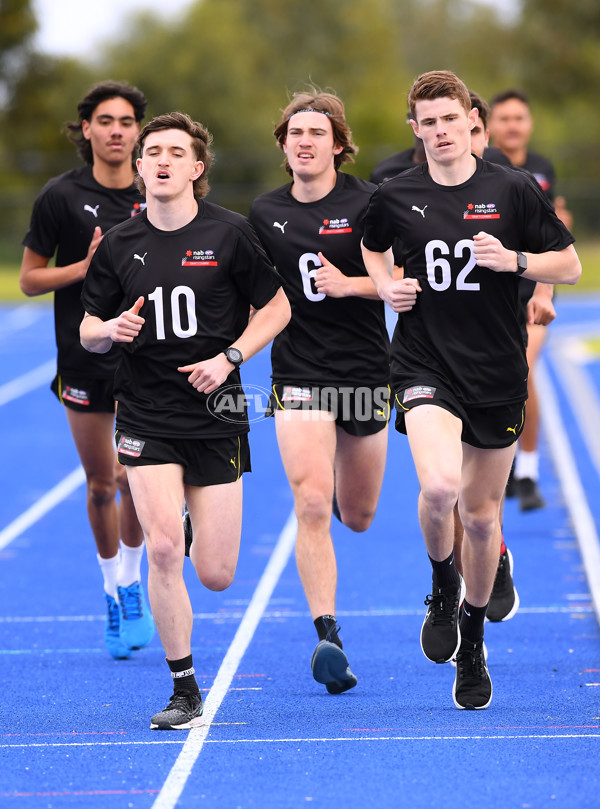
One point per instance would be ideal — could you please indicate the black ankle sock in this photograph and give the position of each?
(472, 620)
(182, 672)
(445, 573)
(326, 629)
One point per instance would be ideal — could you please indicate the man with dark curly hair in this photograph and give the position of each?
(70, 216)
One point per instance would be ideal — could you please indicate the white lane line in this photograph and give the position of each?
(568, 475)
(328, 739)
(181, 770)
(581, 392)
(28, 382)
(35, 512)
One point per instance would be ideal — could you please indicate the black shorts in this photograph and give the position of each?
(488, 427)
(84, 395)
(205, 461)
(358, 409)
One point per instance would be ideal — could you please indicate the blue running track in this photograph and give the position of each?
(74, 724)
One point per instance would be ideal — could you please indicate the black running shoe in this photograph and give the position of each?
(440, 633)
(472, 688)
(187, 531)
(183, 712)
(504, 600)
(529, 494)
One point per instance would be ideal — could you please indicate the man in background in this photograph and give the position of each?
(511, 127)
(70, 217)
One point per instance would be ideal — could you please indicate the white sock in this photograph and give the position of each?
(527, 465)
(129, 569)
(109, 568)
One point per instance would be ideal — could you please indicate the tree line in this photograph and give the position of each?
(232, 64)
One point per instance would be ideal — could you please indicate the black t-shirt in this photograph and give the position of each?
(198, 283)
(393, 165)
(388, 168)
(64, 216)
(495, 155)
(464, 329)
(328, 340)
(542, 172)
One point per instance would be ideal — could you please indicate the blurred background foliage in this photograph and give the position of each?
(233, 64)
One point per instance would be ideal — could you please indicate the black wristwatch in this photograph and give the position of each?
(521, 263)
(234, 355)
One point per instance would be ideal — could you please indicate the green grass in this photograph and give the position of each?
(589, 253)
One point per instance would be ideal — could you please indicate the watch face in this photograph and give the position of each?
(234, 355)
(522, 261)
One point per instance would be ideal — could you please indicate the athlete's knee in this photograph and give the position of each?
(101, 491)
(216, 576)
(479, 525)
(439, 494)
(312, 507)
(165, 551)
(357, 517)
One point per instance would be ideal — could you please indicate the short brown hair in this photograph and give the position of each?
(438, 84)
(481, 106)
(201, 141)
(103, 91)
(313, 100)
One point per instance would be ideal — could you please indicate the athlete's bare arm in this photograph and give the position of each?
(265, 324)
(37, 278)
(551, 267)
(399, 293)
(98, 335)
(540, 308)
(332, 282)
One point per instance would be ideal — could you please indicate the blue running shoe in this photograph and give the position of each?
(136, 626)
(112, 638)
(330, 666)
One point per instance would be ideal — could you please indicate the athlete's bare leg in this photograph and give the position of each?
(158, 492)
(216, 515)
(528, 440)
(436, 447)
(130, 529)
(484, 476)
(359, 470)
(449, 469)
(307, 447)
(93, 434)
